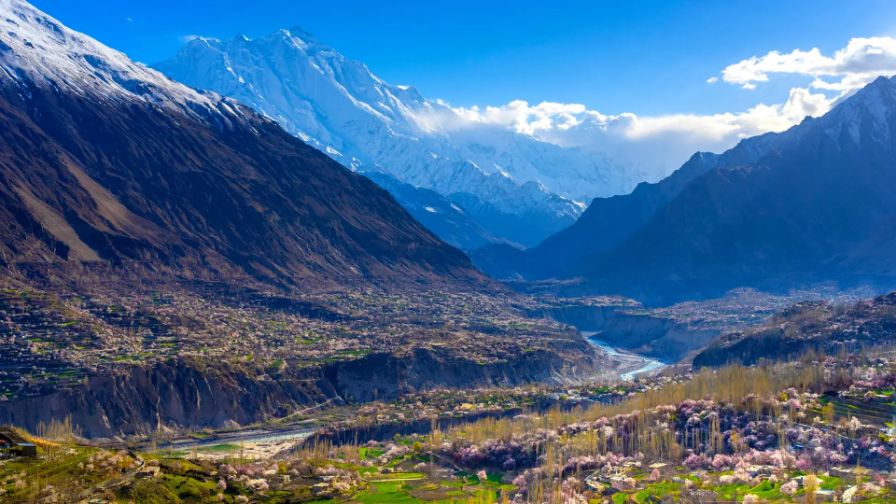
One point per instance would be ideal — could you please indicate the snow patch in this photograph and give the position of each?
(314, 89)
(41, 49)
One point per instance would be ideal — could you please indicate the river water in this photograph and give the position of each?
(643, 364)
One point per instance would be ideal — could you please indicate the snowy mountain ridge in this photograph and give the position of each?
(37, 47)
(342, 108)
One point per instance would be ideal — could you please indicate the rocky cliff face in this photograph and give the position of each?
(650, 334)
(386, 376)
(127, 400)
(582, 317)
(659, 337)
(141, 400)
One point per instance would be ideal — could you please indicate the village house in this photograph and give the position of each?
(12, 445)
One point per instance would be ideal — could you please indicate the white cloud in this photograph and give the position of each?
(847, 69)
(658, 144)
(652, 144)
(523, 118)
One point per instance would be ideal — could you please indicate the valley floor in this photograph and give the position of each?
(127, 358)
(812, 430)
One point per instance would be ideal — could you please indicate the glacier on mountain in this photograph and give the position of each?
(342, 108)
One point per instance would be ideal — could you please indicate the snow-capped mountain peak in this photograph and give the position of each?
(37, 47)
(341, 107)
(874, 104)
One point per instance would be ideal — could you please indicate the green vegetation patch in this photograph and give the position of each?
(386, 493)
(830, 482)
(402, 476)
(370, 453)
(190, 489)
(220, 448)
(658, 490)
(767, 490)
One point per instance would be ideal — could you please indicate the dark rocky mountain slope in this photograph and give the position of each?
(815, 203)
(438, 213)
(606, 223)
(103, 160)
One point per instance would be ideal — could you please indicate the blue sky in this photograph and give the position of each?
(647, 57)
(645, 83)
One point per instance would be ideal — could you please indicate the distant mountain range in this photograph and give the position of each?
(510, 185)
(103, 160)
(814, 203)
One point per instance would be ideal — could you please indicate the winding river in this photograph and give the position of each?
(644, 364)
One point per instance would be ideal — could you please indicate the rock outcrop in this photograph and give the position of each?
(133, 399)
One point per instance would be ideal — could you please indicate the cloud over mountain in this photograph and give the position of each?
(857, 64)
(655, 144)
